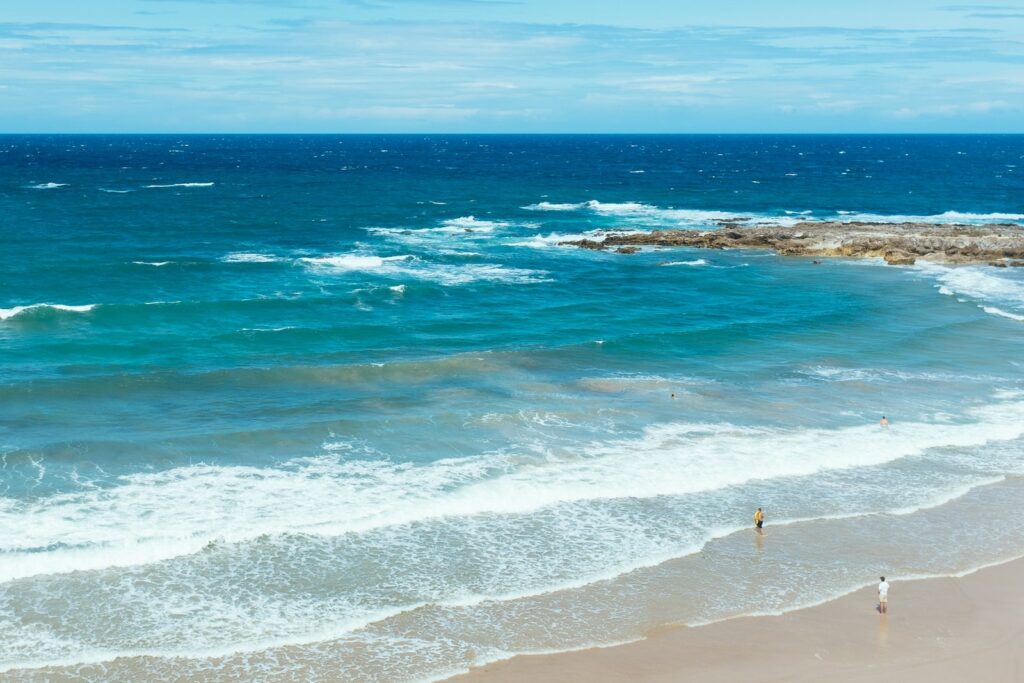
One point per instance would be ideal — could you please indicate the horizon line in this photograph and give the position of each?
(517, 133)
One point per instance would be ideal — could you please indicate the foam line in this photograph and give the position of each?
(351, 624)
(157, 186)
(188, 507)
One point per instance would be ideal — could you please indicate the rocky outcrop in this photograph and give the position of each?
(897, 243)
(896, 257)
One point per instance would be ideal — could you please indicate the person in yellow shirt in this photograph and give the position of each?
(759, 519)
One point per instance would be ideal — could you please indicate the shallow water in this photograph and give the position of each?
(322, 407)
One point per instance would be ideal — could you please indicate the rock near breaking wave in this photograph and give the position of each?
(897, 243)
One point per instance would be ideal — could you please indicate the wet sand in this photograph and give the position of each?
(937, 630)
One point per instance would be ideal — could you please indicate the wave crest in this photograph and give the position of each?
(7, 313)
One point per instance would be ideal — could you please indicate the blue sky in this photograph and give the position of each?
(511, 66)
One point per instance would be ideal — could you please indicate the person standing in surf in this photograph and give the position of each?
(759, 519)
(883, 596)
(884, 422)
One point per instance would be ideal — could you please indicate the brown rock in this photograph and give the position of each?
(894, 257)
(593, 245)
(898, 243)
(627, 250)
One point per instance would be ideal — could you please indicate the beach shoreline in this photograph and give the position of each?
(937, 629)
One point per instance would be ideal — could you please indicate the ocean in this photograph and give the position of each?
(319, 408)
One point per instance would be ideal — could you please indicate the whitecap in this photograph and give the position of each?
(249, 257)
(470, 224)
(464, 227)
(47, 186)
(353, 261)
(696, 262)
(637, 210)
(157, 264)
(157, 186)
(267, 329)
(7, 313)
(549, 206)
(992, 310)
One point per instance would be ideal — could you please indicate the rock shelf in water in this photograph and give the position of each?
(897, 243)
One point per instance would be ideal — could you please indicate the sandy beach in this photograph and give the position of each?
(942, 629)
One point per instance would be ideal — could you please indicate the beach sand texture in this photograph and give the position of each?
(942, 629)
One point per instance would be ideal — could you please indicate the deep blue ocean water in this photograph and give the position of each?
(309, 406)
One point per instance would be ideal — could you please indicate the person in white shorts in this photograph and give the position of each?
(883, 596)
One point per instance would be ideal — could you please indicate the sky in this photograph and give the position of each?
(511, 66)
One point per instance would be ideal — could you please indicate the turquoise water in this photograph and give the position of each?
(342, 406)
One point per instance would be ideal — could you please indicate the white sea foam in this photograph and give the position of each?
(555, 239)
(549, 206)
(480, 272)
(647, 213)
(944, 218)
(156, 186)
(251, 619)
(109, 191)
(695, 262)
(1003, 314)
(268, 329)
(948, 217)
(409, 266)
(47, 186)
(157, 264)
(997, 291)
(342, 262)
(439, 238)
(470, 224)
(151, 516)
(840, 374)
(7, 313)
(641, 213)
(636, 210)
(250, 257)
(217, 603)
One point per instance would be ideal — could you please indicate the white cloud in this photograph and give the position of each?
(982, 107)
